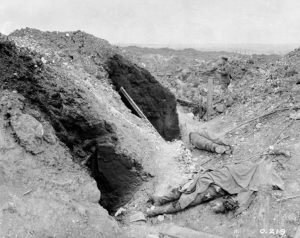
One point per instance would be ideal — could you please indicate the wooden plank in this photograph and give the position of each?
(136, 108)
(210, 88)
(133, 104)
(175, 231)
(186, 103)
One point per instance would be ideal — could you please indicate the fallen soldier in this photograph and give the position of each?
(204, 141)
(238, 182)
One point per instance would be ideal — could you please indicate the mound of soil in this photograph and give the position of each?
(69, 111)
(40, 184)
(98, 58)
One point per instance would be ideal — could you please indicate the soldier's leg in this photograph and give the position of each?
(211, 193)
(165, 209)
(170, 196)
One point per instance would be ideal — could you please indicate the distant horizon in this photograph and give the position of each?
(168, 23)
(244, 48)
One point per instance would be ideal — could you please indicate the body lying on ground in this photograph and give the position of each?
(238, 182)
(203, 141)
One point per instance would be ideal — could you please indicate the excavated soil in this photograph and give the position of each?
(70, 114)
(67, 141)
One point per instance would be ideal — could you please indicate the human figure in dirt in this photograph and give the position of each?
(224, 72)
(236, 183)
(169, 203)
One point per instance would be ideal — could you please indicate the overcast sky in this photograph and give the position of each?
(161, 21)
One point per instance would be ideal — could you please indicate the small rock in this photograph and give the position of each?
(229, 102)
(192, 168)
(161, 218)
(258, 125)
(195, 159)
(220, 107)
(120, 211)
(29, 131)
(43, 60)
(190, 115)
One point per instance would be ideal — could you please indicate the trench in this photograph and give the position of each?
(89, 138)
(155, 101)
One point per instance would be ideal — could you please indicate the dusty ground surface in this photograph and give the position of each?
(46, 154)
(266, 88)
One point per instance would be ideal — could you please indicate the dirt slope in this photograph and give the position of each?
(70, 129)
(40, 184)
(101, 60)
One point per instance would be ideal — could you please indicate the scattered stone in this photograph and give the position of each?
(229, 102)
(29, 132)
(161, 218)
(120, 211)
(258, 125)
(190, 115)
(220, 107)
(43, 60)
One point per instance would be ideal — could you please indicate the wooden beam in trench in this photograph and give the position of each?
(135, 107)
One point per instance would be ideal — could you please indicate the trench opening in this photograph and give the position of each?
(109, 197)
(84, 133)
(155, 101)
(117, 176)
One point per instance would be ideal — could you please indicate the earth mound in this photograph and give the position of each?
(98, 58)
(63, 118)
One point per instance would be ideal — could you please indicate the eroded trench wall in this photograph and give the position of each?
(156, 101)
(82, 122)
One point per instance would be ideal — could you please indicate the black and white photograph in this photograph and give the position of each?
(149, 119)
